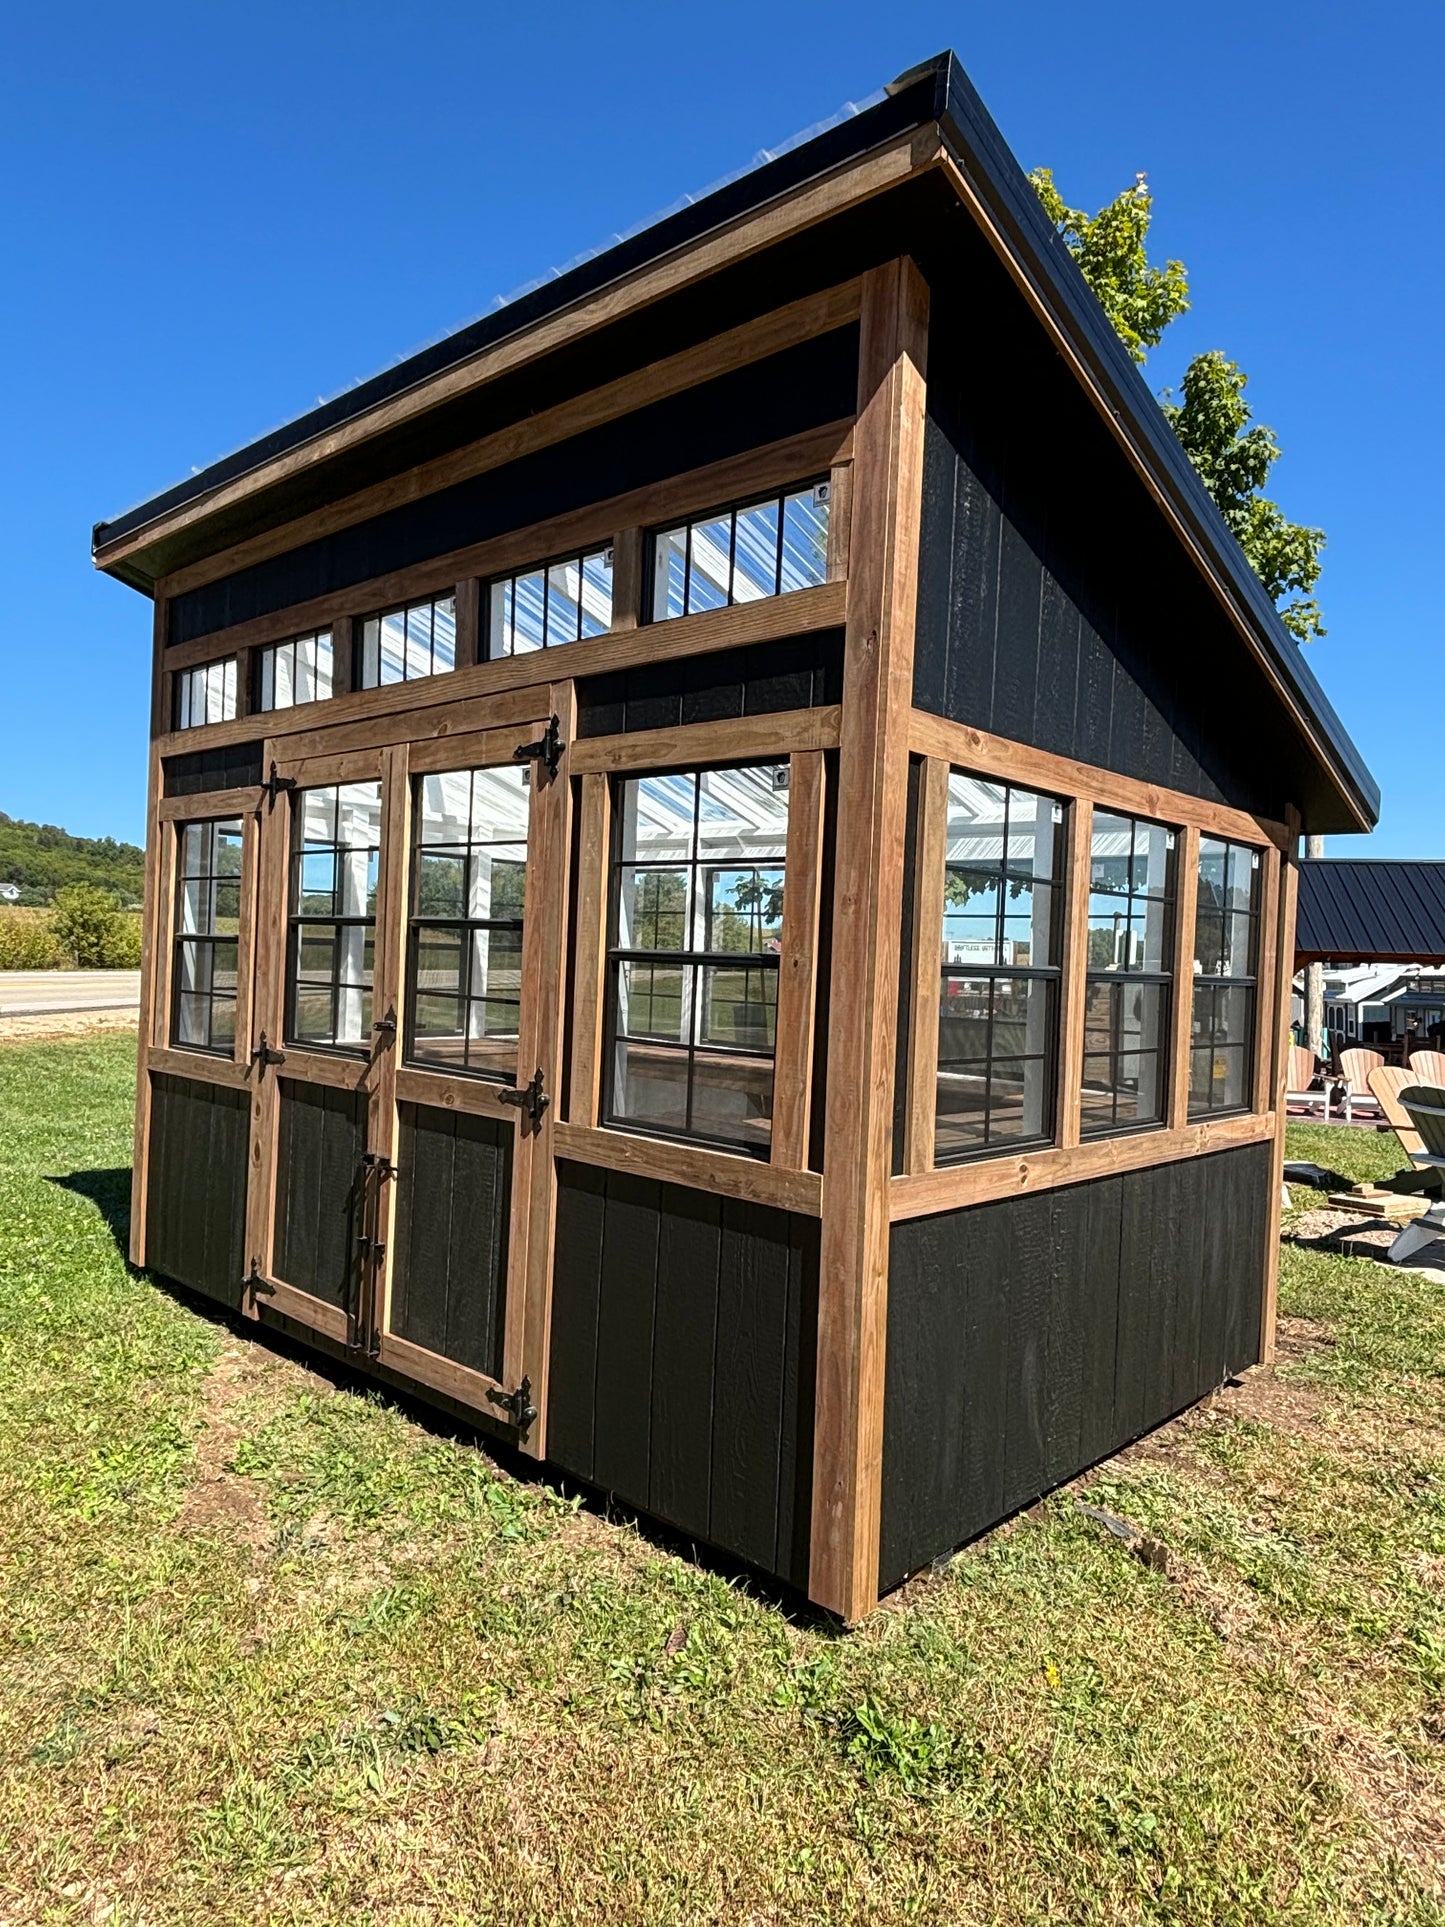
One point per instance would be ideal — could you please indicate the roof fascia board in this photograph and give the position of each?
(1035, 250)
(907, 108)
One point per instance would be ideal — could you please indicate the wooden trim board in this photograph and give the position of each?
(693, 1165)
(867, 913)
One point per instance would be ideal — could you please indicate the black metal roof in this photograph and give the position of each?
(937, 91)
(1370, 910)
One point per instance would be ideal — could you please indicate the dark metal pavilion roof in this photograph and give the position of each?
(1371, 910)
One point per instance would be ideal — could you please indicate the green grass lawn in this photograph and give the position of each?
(272, 1648)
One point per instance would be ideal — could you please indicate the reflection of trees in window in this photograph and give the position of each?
(1130, 973)
(998, 988)
(1226, 945)
(697, 907)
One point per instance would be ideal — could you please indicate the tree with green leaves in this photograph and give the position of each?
(1211, 417)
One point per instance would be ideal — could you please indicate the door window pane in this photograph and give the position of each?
(469, 874)
(335, 866)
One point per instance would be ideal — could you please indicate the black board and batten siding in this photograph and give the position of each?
(802, 672)
(196, 1185)
(1055, 608)
(320, 1144)
(786, 394)
(449, 1257)
(684, 1334)
(1032, 1337)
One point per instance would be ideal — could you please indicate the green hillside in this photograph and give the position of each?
(43, 859)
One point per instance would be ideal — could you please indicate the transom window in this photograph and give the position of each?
(562, 602)
(1226, 947)
(206, 695)
(1127, 993)
(403, 645)
(469, 887)
(743, 554)
(697, 919)
(999, 979)
(208, 924)
(298, 671)
(335, 857)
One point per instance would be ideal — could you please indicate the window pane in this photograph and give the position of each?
(650, 1086)
(501, 805)
(709, 564)
(444, 634)
(669, 574)
(732, 1100)
(805, 541)
(564, 612)
(441, 884)
(597, 593)
(739, 1008)
(658, 818)
(744, 910)
(995, 1051)
(499, 629)
(529, 612)
(755, 564)
(742, 813)
(652, 1001)
(393, 646)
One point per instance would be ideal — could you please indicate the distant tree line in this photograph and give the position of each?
(42, 859)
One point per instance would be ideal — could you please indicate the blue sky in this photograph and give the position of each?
(212, 217)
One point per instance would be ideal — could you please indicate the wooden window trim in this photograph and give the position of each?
(700, 1167)
(952, 1187)
(677, 496)
(921, 1069)
(766, 738)
(999, 758)
(778, 619)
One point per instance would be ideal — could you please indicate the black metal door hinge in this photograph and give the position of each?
(531, 1098)
(387, 1024)
(258, 1286)
(547, 748)
(274, 785)
(517, 1405)
(264, 1054)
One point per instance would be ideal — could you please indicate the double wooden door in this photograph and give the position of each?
(409, 942)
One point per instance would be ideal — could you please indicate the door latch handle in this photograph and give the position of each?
(265, 1054)
(531, 1098)
(517, 1405)
(387, 1024)
(547, 748)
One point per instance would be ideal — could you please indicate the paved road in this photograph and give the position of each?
(47, 993)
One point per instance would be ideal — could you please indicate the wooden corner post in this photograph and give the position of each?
(868, 908)
(1274, 1047)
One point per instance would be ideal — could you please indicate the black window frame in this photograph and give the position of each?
(1213, 983)
(1118, 981)
(1050, 975)
(733, 509)
(298, 920)
(403, 609)
(208, 940)
(686, 959)
(579, 557)
(184, 681)
(273, 649)
(418, 921)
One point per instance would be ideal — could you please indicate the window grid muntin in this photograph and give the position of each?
(816, 493)
(1002, 971)
(206, 694)
(502, 603)
(1208, 1043)
(337, 919)
(691, 962)
(315, 651)
(1119, 979)
(420, 621)
(422, 922)
(191, 945)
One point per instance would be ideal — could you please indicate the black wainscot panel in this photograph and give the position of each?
(196, 1185)
(684, 1329)
(1031, 1337)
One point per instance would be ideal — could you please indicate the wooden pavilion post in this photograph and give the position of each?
(868, 908)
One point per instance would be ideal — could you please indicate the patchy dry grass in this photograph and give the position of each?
(271, 1649)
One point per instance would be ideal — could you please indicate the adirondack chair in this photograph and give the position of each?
(1386, 1083)
(1355, 1068)
(1424, 1105)
(1301, 1077)
(1428, 1067)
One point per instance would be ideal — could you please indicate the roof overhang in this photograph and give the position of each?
(1371, 910)
(931, 118)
